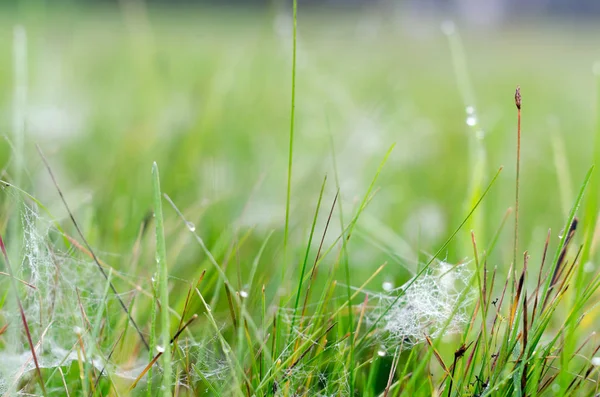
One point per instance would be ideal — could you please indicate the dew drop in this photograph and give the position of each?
(160, 349)
(448, 27)
(77, 330)
(596, 361)
(387, 286)
(243, 294)
(471, 121)
(208, 308)
(190, 226)
(470, 110)
(381, 353)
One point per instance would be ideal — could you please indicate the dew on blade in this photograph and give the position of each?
(190, 226)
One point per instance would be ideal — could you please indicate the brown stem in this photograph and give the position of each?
(518, 104)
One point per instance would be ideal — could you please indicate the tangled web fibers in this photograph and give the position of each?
(433, 304)
(60, 287)
(65, 295)
(311, 380)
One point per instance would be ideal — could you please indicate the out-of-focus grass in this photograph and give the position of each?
(210, 101)
(205, 93)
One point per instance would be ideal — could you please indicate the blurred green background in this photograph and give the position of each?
(205, 91)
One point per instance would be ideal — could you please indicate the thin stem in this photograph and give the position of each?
(518, 104)
(291, 148)
(163, 282)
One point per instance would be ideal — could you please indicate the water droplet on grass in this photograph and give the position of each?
(160, 349)
(387, 286)
(190, 226)
(243, 294)
(381, 353)
(471, 121)
(448, 27)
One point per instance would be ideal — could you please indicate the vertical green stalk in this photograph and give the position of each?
(477, 150)
(18, 137)
(93, 340)
(163, 285)
(264, 332)
(152, 341)
(291, 149)
(20, 99)
(591, 208)
(303, 270)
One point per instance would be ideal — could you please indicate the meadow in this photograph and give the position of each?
(162, 236)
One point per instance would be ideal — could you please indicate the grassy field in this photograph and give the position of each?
(386, 272)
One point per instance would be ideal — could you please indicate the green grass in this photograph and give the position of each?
(162, 273)
(257, 283)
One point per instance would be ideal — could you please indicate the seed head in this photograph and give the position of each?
(518, 97)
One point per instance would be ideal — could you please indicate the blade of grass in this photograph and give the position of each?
(539, 282)
(19, 127)
(591, 208)
(163, 283)
(234, 366)
(352, 338)
(94, 337)
(153, 319)
(291, 146)
(244, 301)
(313, 272)
(482, 299)
(570, 219)
(112, 350)
(307, 252)
(222, 275)
(160, 353)
(477, 150)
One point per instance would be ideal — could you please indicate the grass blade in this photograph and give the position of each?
(163, 283)
(291, 147)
